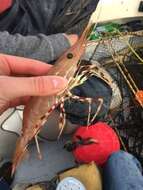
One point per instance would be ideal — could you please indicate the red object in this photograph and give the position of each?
(5, 4)
(107, 143)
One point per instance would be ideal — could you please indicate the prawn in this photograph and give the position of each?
(38, 110)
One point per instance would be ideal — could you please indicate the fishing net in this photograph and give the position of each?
(124, 49)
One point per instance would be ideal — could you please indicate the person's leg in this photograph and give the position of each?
(122, 172)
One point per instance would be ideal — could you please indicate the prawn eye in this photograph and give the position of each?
(69, 55)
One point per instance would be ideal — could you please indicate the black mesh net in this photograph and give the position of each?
(128, 118)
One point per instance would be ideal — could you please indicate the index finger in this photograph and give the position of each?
(19, 65)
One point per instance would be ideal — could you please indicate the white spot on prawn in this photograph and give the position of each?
(57, 73)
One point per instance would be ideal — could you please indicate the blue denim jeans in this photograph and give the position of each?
(122, 172)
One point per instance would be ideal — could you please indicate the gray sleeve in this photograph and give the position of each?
(40, 47)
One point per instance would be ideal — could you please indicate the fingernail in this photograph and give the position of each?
(59, 82)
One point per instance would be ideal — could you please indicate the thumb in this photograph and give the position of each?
(14, 87)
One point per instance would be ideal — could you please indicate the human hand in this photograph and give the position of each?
(20, 79)
(72, 38)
